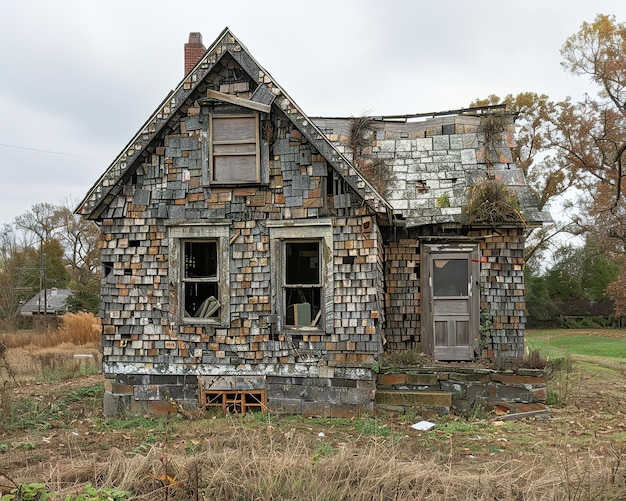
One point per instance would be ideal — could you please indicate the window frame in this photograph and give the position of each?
(178, 236)
(320, 230)
(212, 143)
(450, 285)
(208, 279)
(286, 287)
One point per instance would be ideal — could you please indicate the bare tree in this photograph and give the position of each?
(79, 237)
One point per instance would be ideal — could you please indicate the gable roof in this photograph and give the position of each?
(268, 93)
(51, 301)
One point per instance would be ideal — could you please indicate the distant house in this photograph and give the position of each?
(47, 302)
(255, 257)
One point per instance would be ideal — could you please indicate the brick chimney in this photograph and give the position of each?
(194, 50)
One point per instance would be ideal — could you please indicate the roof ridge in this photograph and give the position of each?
(107, 186)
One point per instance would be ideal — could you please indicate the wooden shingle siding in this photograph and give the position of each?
(275, 191)
(502, 291)
(142, 329)
(402, 279)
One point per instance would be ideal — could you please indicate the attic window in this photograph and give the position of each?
(234, 149)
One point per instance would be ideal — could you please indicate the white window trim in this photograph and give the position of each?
(321, 230)
(218, 232)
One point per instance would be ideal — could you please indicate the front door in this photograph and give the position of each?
(451, 306)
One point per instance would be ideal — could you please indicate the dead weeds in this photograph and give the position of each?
(56, 435)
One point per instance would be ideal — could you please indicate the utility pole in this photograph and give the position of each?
(41, 261)
(43, 287)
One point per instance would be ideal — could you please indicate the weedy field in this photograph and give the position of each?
(56, 444)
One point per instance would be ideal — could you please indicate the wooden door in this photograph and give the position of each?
(452, 303)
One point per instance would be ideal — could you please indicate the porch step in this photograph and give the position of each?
(408, 398)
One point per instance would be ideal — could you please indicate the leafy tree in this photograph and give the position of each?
(80, 238)
(535, 154)
(564, 144)
(599, 271)
(51, 238)
(56, 271)
(576, 285)
(19, 275)
(546, 172)
(595, 140)
(598, 51)
(564, 278)
(540, 309)
(86, 297)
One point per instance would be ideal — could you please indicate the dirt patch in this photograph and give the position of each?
(613, 333)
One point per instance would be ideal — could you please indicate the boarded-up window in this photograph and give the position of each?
(234, 146)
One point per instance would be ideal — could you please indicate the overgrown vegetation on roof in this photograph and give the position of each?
(492, 125)
(492, 202)
(375, 170)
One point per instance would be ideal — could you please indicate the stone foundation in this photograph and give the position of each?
(314, 391)
(332, 392)
(457, 389)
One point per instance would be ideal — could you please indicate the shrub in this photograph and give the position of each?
(75, 328)
(80, 328)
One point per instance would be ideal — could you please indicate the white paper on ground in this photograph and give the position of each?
(423, 426)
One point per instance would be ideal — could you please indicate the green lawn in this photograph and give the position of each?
(596, 343)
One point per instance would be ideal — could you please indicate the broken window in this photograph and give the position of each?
(302, 279)
(199, 270)
(302, 283)
(200, 281)
(107, 268)
(234, 149)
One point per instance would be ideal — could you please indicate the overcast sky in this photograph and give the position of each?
(80, 77)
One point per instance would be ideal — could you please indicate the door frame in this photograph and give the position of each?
(431, 251)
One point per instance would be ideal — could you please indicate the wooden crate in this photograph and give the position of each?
(234, 401)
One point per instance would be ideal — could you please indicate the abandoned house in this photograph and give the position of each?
(47, 302)
(254, 257)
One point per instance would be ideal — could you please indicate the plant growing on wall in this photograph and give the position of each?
(484, 328)
(492, 202)
(443, 201)
(376, 171)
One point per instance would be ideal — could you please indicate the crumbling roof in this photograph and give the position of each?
(432, 162)
(416, 169)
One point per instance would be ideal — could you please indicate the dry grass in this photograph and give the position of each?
(75, 328)
(64, 442)
(492, 202)
(257, 466)
(69, 350)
